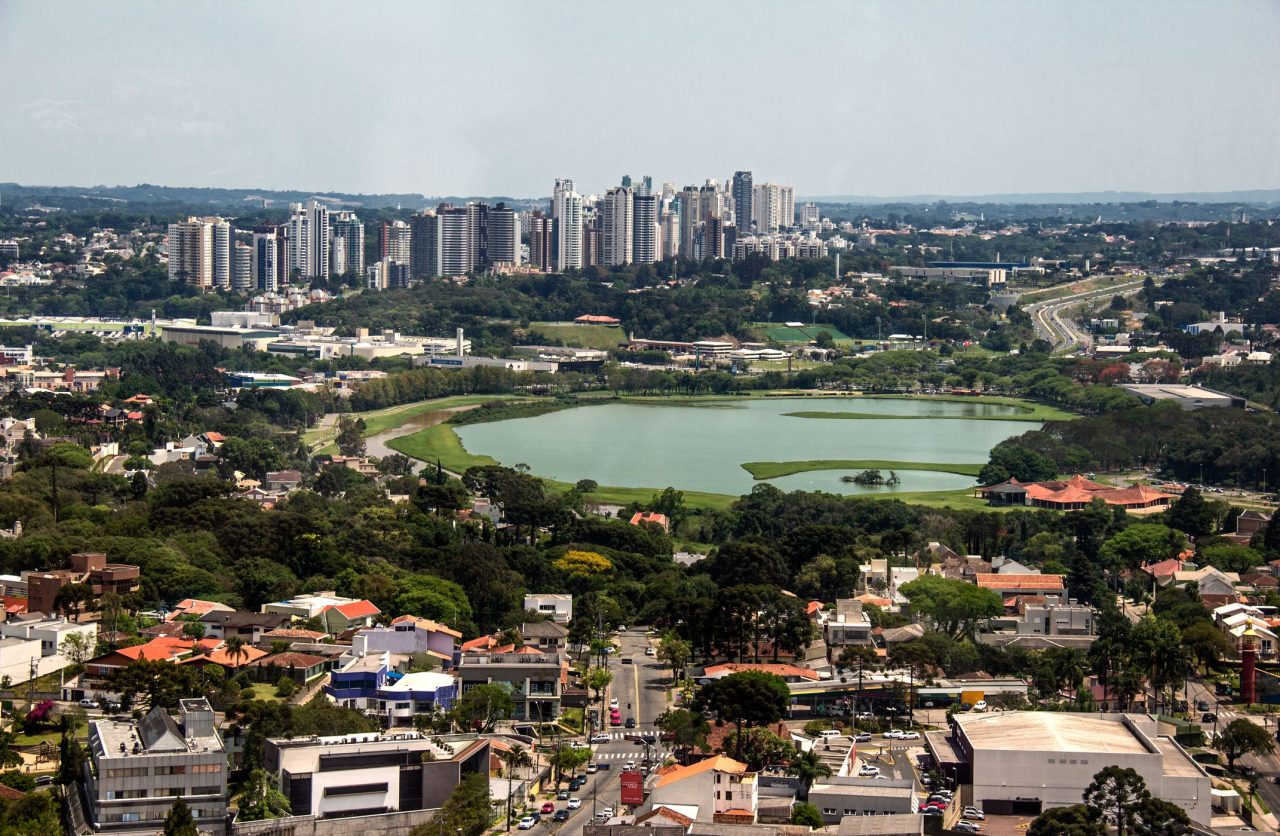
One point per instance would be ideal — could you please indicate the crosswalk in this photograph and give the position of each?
(620, 735)
(637, 756)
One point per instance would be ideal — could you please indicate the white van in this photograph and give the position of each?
(829, 733)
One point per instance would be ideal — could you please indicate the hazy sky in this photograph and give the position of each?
(467, 97)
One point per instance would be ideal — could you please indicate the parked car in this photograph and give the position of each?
(972, 813)
(867, 771)
(862, 737)
(649, 651)
(592, 768)
(527, 823)
(574, 803)
(894, 734)
(966, 826)
(608, 812)
(909, 735)
(930, 811)
(547, 807)
(980, 705)
(613, 702)
(561, 815)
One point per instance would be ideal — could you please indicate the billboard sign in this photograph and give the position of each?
(632, 788)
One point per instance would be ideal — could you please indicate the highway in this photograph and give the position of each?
(1053, 322)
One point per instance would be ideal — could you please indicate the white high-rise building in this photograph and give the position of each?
(504, 235)
(769, 207)
(349, 229)
(299, 234)
(242, 268)
(200, 252)
(809, 215)
(617, 226)
(644, 248)
(454, 248)
(337, 256)
(787, 214)
(309, 240)
(566, 214)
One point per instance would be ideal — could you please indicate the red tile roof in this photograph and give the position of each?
(356, 609)
(1018, 583)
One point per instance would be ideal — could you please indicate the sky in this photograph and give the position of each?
(489, 97)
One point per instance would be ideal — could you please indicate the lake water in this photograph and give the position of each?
(702, 448)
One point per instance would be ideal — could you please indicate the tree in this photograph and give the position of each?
(808, 767)
(350, 438)
(597, 679)
(1157, 817)
(1157, 651)
(688, 729)
(747, 698)
(236, 649)
(1009, 459)
(466, 809)
(483, 706)
(1114, 795)
(805, 813)
(1138, 544)
(1076, 820)
(953, 607)
(179, 821)
(675, 652)
(70, 758)
(72, 598)
(1190, 513)
(516, 757)
(1206, 643)
(78, 648)
(1243, 737)
(261, 798)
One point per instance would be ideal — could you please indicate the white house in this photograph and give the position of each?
(559, 607)
(718, 788)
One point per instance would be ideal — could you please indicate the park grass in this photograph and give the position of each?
(863, 416)
(781, 333)
(1035, 411)
(381, 420)
(580, 336)
(439, 443)
(773, 470)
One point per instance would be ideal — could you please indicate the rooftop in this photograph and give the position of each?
(1049, 731)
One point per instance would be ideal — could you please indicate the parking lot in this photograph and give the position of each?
(1005, 825)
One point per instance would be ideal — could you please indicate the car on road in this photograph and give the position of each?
(631, 722)
(615, 718)
(980, 705)
(88, 703)
(868, 771)
(649, 737)
(563, 795)
(862, 737)
(592, 768)
(527, 823)
(574, 803)
(547, 807)
(972, 813)
(909, 735)
(629, 765)
(649, 651)
(607, 812)
(604, 765)
(626, 660)
(576, 784)
(894, 734)
(1208, 717)
(613, 702)
(1202, 705)
(561, 815)
(600, 738)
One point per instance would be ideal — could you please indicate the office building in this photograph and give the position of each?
(503, 236)
(670, 229)
(566, 212)
(743, 196)
(713, 238)
(395, 240)
(690, 222)
(265, 268)
(90, 568)
(136, 770)
(541, 241)
(242, 269)
(371, 773)
(617, 226)
(348, 238)
(200, 252)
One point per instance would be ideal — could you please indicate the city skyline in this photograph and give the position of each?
(864, 99)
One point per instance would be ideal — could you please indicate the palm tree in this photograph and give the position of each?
(517, 757)
(236, 650)
(808, 767)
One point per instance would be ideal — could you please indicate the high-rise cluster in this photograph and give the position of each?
(446, 241)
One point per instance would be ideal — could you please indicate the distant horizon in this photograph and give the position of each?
(1264, 195)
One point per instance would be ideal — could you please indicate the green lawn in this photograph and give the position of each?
(582, 336)
(439, 443)
(858, 416)
(781, 333)
(772, 470)
(380, 420)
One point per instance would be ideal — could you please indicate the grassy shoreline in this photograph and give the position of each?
(773, 470)
(868, 416)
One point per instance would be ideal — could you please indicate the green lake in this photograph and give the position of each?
(702, 447)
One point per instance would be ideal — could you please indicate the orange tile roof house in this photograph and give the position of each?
(592, 319)
(719, 788)
(355, 615)
(1013, 585)
(651, 517)
(790, 673)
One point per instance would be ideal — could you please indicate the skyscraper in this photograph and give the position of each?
(690, 221)
(349, 229)
(742, 197)
(644, 247)
(787, 213)
(420, 240)
(617, 226)
(309, 240)
(242, 268)
(265, 268)
(503, 235)
(566, 211)
(541, 241)
(454, 247)
(478, 234)
(200, 252)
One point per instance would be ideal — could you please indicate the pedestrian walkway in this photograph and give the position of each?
(637, 755)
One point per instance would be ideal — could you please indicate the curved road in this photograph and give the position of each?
(1052, 319)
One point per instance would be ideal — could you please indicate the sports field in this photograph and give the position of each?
(802, 334)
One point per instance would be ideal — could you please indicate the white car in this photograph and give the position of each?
(599, 738)
(972, 813)
(867, 771)
(607, 812)
(649, 651)
(966, 826)
(894, 734)
(574, 803)
(909, 735)
(613, 703)
(527, 823)
(980, 705)
(629, 765)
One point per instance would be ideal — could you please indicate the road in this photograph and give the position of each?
(640, 686)
(1053, 322)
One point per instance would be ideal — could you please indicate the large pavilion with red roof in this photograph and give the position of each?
(1073, 494)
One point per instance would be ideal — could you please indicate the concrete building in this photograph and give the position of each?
(987, 277)
(136, 771)
(371, 774)
(716, 789)
(566, 212)
(743, 197)
(369, 682)
(503, 236)
(411, 635)
(840, 796)
(536, 678)
(645, 229)
(200, 252)
(266, 266)
(848, 625)
(557, 605)
(617, 226)
(1024, 762)
(1187, 397)
(541, 241)
(242, 269)
(89, 568)
(348, 238)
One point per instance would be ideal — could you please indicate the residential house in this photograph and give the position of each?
(250, 626)
(1010, 587)
(1251, 522)
(718, 789)
(302, 607)
(544, 635)
(557, 606)
(1235, 619)
(370, 683)
(302, 668)
(790, 673)
(536, 677)
(196, 608)
(354, 615)
(90, 568)
(159, 649)
(651, 518)
(227, 659)
(1209, 580)
(410, 635)
(1054, 620)
(849, 625)
(873, 576)
(50, 631)
(900, 576)
(283, 480)
(137, 770)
